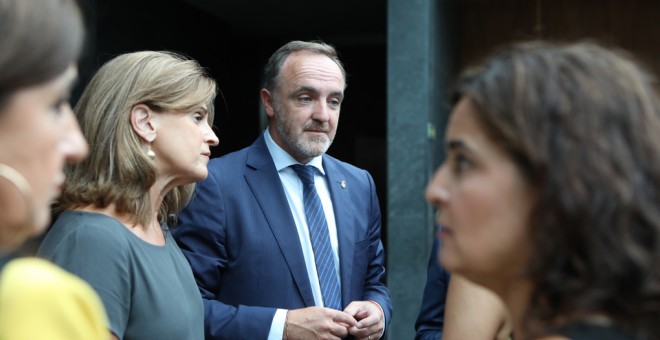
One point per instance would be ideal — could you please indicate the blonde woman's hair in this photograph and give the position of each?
(117, 170)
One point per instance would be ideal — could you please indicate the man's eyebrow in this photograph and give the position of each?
(306, 89)
(339, 94)
(313, 90)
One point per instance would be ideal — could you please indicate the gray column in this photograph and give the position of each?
(420, 70)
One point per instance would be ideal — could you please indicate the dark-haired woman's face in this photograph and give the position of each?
(38, 134)
(484, 203)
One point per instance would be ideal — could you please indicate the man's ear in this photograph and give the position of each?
(267, 100)
(142, 121)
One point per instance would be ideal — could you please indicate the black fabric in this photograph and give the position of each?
(431, 319)
(595, 332)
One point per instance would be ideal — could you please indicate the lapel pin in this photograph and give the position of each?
(343, 184)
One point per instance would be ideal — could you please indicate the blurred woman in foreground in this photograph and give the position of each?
(39, 46)
(550, 192)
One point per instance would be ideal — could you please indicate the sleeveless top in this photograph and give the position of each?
(583, 331)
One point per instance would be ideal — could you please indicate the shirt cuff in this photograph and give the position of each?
(277, 326)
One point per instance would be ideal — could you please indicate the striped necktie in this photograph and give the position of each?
(320, 237)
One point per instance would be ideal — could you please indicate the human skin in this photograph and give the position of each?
(39, 134)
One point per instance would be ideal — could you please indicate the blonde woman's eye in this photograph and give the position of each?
(199, 116)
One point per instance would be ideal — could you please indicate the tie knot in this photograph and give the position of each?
(304, 172)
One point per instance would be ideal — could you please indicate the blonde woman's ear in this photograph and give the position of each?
(142, 121)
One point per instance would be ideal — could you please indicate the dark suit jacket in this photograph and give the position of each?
(241, 240)
(431, 319)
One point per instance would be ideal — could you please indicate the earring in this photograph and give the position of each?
(150, 153)
(23, 186)
(16, 179)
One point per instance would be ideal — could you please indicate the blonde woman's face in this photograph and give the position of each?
(38, 135)
(484, 203)
(183, 145)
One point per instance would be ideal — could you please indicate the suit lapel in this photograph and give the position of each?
(339, 194)
(267, 189)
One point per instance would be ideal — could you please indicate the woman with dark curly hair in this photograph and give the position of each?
(550, 192)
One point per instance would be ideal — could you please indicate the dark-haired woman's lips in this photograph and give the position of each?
(444, 232)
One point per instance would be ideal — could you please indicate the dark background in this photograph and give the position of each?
(234, 38)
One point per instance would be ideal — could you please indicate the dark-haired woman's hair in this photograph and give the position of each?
(39, 40)
(582, 123)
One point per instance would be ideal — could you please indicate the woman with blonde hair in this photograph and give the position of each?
(39, 45)
(147, 118)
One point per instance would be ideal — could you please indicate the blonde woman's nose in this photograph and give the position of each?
(211, 138)
(73, 144)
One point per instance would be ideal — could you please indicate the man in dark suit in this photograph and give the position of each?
(271, 216)
(431, 319)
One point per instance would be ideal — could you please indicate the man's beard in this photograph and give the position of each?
(307, 148)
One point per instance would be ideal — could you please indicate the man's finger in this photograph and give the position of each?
(344, 318)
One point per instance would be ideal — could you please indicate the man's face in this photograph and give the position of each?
(304, 108)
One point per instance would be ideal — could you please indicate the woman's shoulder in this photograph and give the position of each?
(84, 231)
(39, 293)
(39, 277)
(86, 217)
(31, 280)
(87, 223)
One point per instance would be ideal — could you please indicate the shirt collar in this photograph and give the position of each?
(283, 160)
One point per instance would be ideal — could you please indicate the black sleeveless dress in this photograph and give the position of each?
(595, 332)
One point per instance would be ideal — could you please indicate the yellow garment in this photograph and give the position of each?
(41, 301)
